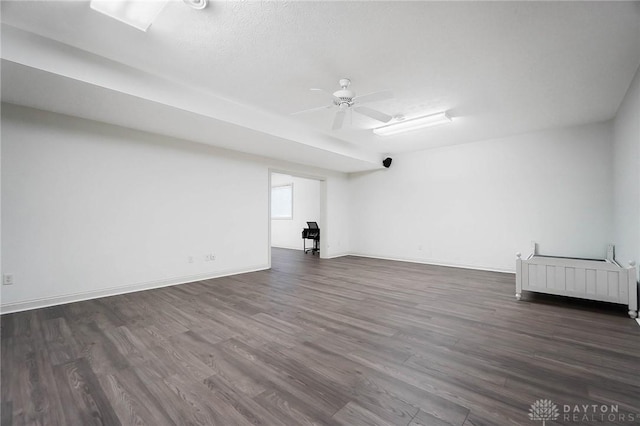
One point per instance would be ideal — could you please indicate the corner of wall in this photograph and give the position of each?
(626, 175)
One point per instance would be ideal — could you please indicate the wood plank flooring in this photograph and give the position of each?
(347, 341)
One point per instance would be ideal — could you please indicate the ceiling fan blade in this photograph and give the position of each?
(304, 111)
(375, 96)
(325, 92)
(376, 115)
(338, 119)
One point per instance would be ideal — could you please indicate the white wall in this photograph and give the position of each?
(335, 231)
(626, 176)
(286, 233)
(478, 204)
(90, 209)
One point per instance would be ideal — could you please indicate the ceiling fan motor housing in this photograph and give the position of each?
(344, 96)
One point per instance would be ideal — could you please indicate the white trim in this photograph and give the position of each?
(638, 321)
(288, 247)
(269, 174)
(297, 174)
(324, 220)
(334, 256)
(436, 263)
(114, 291)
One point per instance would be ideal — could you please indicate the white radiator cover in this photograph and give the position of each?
(602, 280)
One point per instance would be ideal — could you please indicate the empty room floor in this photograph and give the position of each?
(349, 341)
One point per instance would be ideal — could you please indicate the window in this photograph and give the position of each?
(282, 202)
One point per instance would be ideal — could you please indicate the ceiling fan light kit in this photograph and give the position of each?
(413, 124)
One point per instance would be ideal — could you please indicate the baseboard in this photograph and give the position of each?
(114, 291)
(437, 263)
(333, 256)
(288, 247)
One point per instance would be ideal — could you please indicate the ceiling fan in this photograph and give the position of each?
(346, 100)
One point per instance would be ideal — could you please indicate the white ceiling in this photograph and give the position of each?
(499, 68)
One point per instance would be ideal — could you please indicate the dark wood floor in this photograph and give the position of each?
(349, 341)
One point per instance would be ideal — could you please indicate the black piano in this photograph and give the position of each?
(311, 233)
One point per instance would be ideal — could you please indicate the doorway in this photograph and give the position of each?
(294, 200)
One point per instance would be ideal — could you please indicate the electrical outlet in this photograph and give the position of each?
(7, 279)
(209, 258)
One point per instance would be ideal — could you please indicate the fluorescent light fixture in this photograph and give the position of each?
(137, 13)
(413, 124)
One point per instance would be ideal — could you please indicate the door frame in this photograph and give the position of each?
(324, 226)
